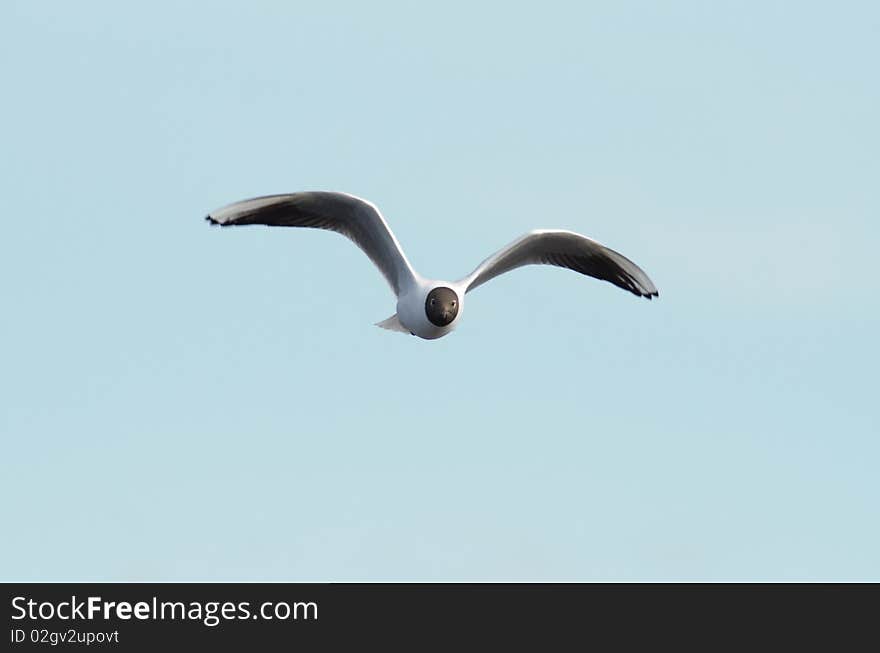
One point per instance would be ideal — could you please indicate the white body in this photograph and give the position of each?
(411, 307)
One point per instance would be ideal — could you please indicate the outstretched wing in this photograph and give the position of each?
(565, 249)
(354, 218)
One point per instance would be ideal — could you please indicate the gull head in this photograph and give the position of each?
(441, 306)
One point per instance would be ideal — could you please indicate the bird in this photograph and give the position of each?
(430, 308)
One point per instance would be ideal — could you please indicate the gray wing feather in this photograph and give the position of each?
(565, 249)
(354, 218)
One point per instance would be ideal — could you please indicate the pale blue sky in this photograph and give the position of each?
(186, 403)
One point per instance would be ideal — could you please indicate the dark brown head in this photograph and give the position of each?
(441, 306)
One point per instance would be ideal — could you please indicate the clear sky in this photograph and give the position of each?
(186, 403)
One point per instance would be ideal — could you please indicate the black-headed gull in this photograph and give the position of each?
(430, 308)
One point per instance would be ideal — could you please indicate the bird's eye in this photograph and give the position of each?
(453, 304)
(433, 301)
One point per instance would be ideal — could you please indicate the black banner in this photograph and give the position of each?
(150, 616)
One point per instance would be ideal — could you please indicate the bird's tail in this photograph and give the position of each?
(393, 324)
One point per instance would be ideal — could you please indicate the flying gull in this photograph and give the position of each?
(430, 308)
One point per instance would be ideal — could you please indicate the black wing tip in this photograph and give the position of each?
(211, 220)
(648, 295)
